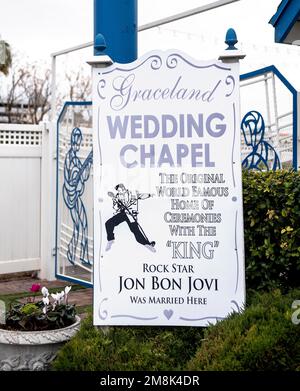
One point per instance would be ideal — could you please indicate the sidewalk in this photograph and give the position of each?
(19, 290)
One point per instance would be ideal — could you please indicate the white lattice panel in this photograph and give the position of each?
(20, 197)
(20, 134)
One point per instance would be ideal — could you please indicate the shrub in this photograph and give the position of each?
(125, 348)
(263, 337)
(272, 229)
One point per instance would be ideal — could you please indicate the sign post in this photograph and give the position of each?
(168, 219)
(116, 20)
(2, 52)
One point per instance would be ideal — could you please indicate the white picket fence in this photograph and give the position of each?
(24, 183)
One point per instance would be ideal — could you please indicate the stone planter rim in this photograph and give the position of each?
(10, 337)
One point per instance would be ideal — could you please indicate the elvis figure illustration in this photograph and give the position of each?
(125, 205)
(76, 174)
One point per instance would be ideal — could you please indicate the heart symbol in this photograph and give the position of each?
(168, 313)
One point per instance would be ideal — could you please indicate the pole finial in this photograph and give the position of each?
(231, 53)
(99, 45)
(231, 39)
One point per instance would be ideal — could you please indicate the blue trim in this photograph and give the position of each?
(65, 106)
(279, 11)
(284, 19)
(295, 121)
(282, 32)
(272, 68)
(74, 280)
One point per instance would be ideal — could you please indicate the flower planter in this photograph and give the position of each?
(32, 350)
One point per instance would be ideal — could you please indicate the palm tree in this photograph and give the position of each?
(4, 68)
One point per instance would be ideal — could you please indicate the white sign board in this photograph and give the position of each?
(168, 228)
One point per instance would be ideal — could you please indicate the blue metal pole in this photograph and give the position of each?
(116, 20)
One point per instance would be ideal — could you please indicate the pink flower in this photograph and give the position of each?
(35, 288)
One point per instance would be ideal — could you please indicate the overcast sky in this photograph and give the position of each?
(37, 28)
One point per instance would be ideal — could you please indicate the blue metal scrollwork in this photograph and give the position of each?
(76, 174)
(263, 156)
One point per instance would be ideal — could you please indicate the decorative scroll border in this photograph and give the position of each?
(156, 62)
(133, 317)
(171, 61)
(100, 216)
(233, 144)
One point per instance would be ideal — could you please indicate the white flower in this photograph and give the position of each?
(61, 295)
(46, 300)
(67, 289)
(58, 297)
(45, 292)
(55, 296)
